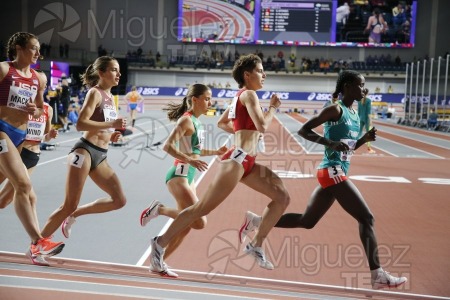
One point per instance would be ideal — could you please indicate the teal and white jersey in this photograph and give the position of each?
(364, 110)
(346, 130)
(194, 143)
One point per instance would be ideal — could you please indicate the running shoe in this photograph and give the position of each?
(37, 260)
(46, 247)
(67, 226)
(258, 254)
(386, 280)
(150, 212)
(371, 151)
(165, 273)
(156, 257)
(251, 222)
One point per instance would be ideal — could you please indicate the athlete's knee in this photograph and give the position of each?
(309, 224)
(199, 224)
(282, 196)
(119, 202)
(368, 220)
(22, 187)
(4, 203)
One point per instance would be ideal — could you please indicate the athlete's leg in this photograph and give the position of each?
(351, 200)
(265, 181)
(11, 167)
(185, 195)
(319, 203)
(225, 180)
(106, 179)
(79, 164)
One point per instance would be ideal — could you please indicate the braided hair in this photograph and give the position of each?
(346, 76)
(175, 111)
(18, 38)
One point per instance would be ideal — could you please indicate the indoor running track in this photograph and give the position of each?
(406, 184)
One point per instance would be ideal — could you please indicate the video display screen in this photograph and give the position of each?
(334, 23)
(57, 71)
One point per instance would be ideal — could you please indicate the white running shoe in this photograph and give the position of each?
(386, 280)
(157, 257)
(150, 212)
(165, 273)
(258, 254)
(251, 222)
(67, 226)
(37, 260)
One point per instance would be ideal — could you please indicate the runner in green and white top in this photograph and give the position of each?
(185, 143)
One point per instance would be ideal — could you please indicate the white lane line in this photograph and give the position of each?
(293, 137)
(406, 146)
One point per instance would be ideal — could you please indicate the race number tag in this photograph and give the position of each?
(76, 159)
(347, 155)
(232, 111)
(19, 97)
(3, 146)
(35, 131)
(261, 144)
(238, 155)
(110, 115)
(181, 169)
(201, 138)
(335, 171)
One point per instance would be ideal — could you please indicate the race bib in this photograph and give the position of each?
(35, 131)
(232, 111)
(238, 155)
(201, 138)
(261, 144)
(3, 146)
(110, 115)
(335, 171)
(347, 155)
(76, 159)
(19, 97)
(182, 169)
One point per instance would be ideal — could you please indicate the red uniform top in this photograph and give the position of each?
(106, 111)
(239, 114)
(16, 91)
(36, 127)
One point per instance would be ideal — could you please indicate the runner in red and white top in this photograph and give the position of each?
(21, 95)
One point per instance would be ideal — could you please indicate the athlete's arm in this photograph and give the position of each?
(330, 113)
(184, 127)
(251, 102)
(225, 123)
(50, 133)
(36, 108)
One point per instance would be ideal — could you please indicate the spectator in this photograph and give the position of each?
(342, 13)
(432, 120)
(398, 17)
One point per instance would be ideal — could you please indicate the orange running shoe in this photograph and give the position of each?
(46, 247)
